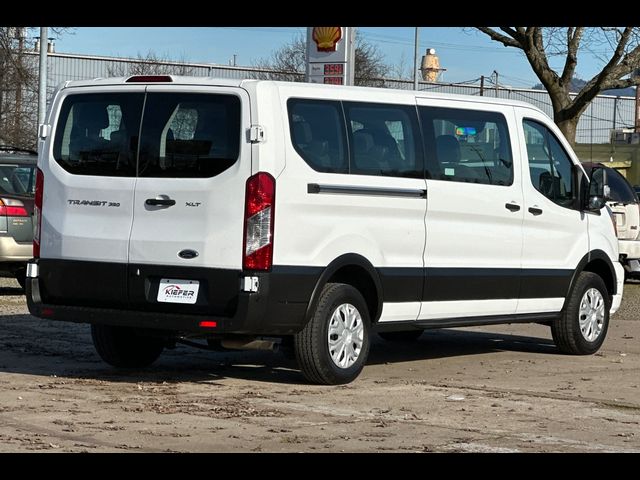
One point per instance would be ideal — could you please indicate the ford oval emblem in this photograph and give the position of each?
(188, 254)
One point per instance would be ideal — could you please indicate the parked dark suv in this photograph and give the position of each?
(17, 189)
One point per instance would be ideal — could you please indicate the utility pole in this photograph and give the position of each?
(415, 61)
(17, 122)
(496, 73)
(482, 85)
(637, 123)
(42, 83)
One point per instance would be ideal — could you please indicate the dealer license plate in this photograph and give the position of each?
(178, 291)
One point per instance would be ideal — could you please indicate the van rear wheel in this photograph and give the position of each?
(582, 327)
(124, 347)
(333, 347)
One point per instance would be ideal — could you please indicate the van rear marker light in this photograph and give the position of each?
(32, 270)
(250, 284)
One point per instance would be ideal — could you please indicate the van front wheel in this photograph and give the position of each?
(582, 327)
(333, 347)
(123, 347)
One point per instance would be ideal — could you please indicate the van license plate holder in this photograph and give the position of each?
(178, 291)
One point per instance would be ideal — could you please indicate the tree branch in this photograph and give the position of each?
(573, 43)
(518, 36)
(623, 83)
(498, 37)
(609, 75)
(534, 49)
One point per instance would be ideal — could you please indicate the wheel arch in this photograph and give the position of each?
(598, 262)
(354, 270)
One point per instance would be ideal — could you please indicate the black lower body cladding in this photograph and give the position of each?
(120, 294)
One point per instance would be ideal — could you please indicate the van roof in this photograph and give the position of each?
(311, 87)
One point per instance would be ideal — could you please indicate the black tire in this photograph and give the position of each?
(566, 331)
(123, 347)
(404, 336)
(311, 345)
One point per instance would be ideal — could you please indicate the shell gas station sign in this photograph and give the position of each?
(330, 55)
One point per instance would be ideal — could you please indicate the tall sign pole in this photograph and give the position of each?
(331, 55)
(415, 61)
(42, 83)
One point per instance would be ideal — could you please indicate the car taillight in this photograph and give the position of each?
(259, 208)
(37, 212)
(12, 208)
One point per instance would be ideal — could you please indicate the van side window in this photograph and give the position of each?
(189, 135)
(317, 133)
(467, 146)
(97, 134)
(383, 140)
(549, 165)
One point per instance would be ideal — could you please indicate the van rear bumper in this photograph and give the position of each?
(276, 309)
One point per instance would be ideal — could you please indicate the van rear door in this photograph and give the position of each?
(89, 178)
(185, 248)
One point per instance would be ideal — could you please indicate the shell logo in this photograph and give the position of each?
(326, 38)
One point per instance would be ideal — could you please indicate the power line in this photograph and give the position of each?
(443, 45)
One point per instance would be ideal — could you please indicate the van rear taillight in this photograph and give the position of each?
(37, 212)
(258, 222)
(12, 208)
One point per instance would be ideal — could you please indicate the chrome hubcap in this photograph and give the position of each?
(591, 314)
(345, 335)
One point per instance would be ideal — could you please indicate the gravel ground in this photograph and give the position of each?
(482, 389)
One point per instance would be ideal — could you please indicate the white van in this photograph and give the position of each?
(259, 213)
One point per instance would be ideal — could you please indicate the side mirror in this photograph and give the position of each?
(598, 192)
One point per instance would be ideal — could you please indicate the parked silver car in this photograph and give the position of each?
(17, 189)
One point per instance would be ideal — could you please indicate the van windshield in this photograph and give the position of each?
(177, 134)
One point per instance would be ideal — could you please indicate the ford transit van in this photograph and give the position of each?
(260, 214)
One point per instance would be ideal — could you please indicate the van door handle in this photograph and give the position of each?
(535, 211)
(160, 202)
(512, 207)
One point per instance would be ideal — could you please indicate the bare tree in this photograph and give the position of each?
(289, 62)
(149, 64)
(19, 85)
(617, 47)
(401, 69)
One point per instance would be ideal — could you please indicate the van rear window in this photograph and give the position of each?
(182, 134)
(97, 134)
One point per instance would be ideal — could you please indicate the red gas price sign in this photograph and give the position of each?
(334, 68)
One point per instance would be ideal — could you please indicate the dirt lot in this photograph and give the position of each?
(489, 389)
